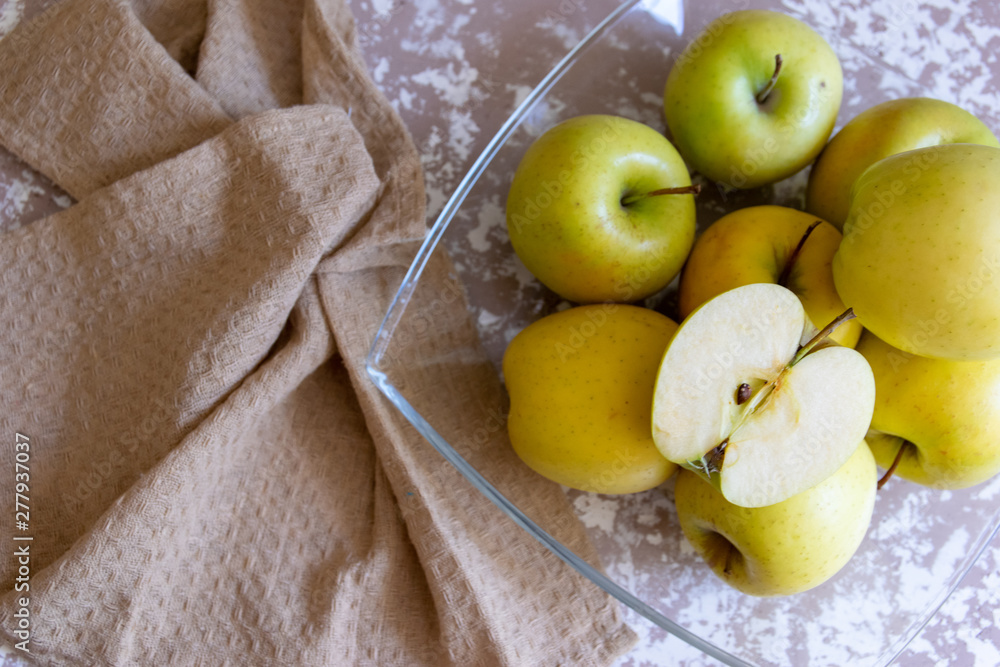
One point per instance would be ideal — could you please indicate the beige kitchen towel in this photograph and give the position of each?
(213, 478)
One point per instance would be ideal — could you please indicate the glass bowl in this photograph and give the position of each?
(921, 541)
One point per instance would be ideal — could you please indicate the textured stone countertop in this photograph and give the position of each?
(456, 69)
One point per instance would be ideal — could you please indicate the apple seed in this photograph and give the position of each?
(762, 396)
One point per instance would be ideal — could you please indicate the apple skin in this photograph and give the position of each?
(788, 547)
(581, 390)
(920, 258)
(711, 107)
(753, 245)
(948, 410)
(885, 129)
(566, 217)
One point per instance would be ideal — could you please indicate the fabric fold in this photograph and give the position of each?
(215, 479)
(163, 310)
(89, 110)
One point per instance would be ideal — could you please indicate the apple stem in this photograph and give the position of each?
(762, 95)
(685, 190)
(895, 463)
(786, 272)
(818, 338)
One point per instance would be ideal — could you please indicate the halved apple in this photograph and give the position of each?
(753, 399)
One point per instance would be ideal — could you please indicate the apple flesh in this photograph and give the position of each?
(764, 244)
(788, 547)
(582, 217)
(808, 406)
(885, 129)
(920, 259)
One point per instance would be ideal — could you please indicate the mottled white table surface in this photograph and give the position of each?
(456, 69)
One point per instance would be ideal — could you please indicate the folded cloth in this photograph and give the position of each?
(213, 477)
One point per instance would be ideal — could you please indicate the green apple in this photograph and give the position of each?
(740, 399)
(885, 129)
(754, 98)
(784, 548)
(581, 385)
(945, 415)
(768, 244)
(920, 259)
(600, 209)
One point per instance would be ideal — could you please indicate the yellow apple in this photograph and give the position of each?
(758, 244)
(788, 547)
(589, 214)
(581, 390)
(754, 98)
(741, 401)
(920, 259)
(948, 412)
(876, 133)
